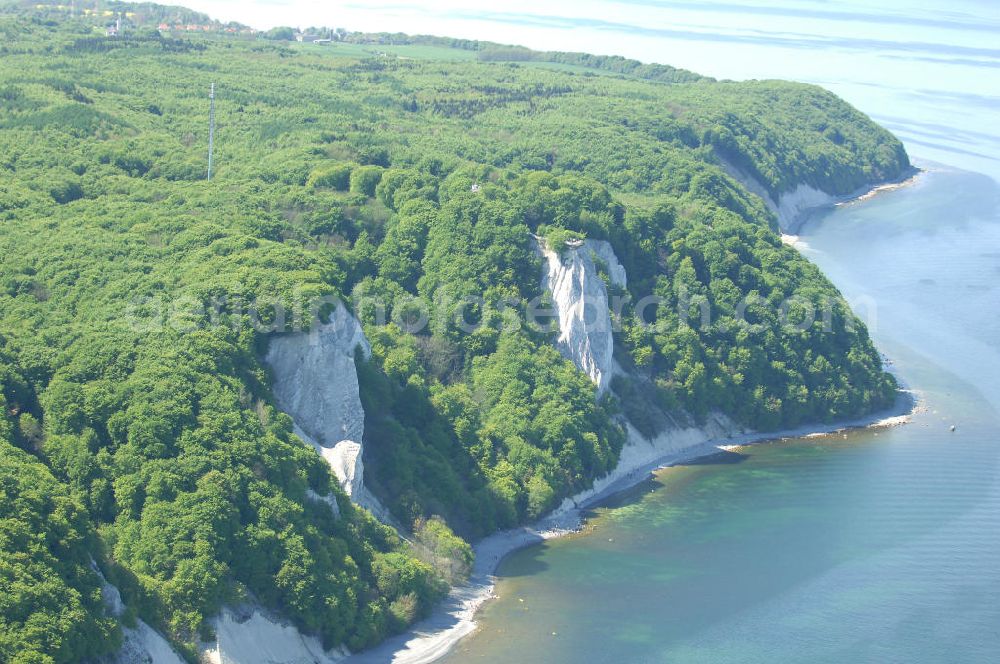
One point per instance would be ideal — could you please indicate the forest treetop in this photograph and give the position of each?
(414, 170)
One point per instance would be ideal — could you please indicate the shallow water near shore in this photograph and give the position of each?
(883, 546)
(878, 546)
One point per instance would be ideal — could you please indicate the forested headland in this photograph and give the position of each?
(138, 432)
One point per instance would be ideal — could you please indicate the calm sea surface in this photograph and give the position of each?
(870, 548)
(877, 547)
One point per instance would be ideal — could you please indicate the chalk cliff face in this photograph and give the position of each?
(316, 383)
(585, 337)
(640, 453)
(248, 634)
(140, 643)
(790, 205)
(581, 299)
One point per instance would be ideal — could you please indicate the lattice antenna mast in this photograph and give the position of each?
(211, 128)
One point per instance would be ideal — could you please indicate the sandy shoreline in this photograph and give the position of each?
(865, 193)
(907, 180)
(454, 619)
(792, 238)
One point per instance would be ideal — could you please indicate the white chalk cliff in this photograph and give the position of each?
(245, 635)
(585, 337)
(141, 644)
(581, 300)
(641, 454)
(790, 205)
(316, 383)
(248, 635)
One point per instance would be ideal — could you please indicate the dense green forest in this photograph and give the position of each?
(137, 429)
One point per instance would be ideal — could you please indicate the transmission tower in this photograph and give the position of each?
(211, 128)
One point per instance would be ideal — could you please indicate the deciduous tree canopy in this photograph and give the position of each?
(137, 426)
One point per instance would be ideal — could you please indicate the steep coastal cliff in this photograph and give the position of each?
(204, 456)
(315, 382)
(791, 207)
(580, 297)
(573, 276)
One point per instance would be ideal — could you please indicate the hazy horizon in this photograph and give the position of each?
(904, 60)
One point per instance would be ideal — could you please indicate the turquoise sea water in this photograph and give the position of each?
(877, 547)
(871, 548)
(874, 548)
